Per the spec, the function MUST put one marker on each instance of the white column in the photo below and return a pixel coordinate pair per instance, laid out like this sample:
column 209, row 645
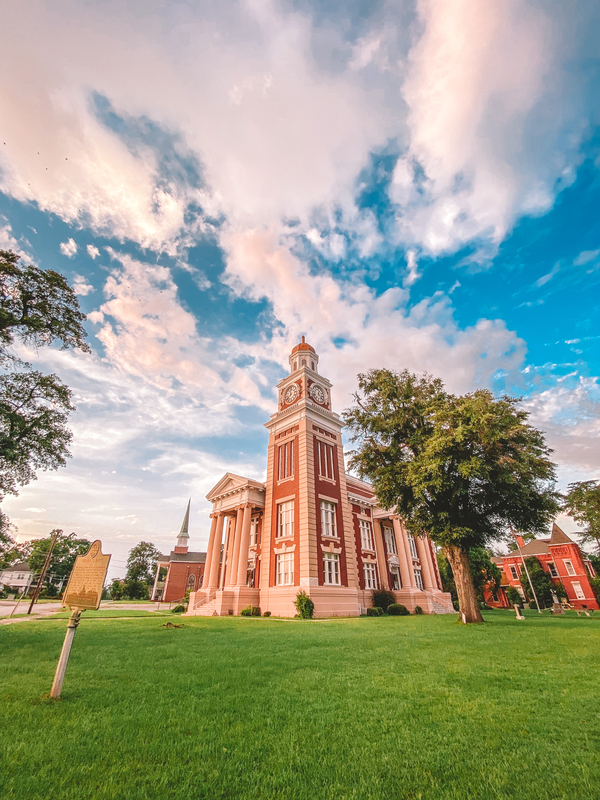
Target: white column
column 209, row 551
column 425, row 566
column 232, row 565
column 435, row 575
column 380, row 550
column 407, row 573
column 242, row 570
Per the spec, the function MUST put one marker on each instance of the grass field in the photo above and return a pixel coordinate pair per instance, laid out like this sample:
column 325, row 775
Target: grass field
column 368, row 709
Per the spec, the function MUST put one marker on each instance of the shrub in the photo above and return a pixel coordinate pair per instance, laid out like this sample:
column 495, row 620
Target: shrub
column 514, row 598
column 595, row 586
column 382, row 598
column 267, row 614
column 418, row 610
column 178, row 609
column 398, row 610
column 304, row 606
column 250, row 611
column 376, row 611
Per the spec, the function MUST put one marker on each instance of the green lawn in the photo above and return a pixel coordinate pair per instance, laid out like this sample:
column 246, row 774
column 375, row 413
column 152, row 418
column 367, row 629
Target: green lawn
column 378, row 708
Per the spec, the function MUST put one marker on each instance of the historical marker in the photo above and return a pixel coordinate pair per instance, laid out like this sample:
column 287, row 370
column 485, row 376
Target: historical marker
column 83, row 591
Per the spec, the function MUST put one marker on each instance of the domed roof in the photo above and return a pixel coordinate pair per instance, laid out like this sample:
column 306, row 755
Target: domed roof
column 303, row 346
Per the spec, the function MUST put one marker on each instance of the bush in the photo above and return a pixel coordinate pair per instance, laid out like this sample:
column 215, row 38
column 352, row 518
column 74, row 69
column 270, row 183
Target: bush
column 49, row 590
column 418, row 610
column 514, row 598
column 250, row 611
column 267, row 614
column 595, row 585
column 178, row 609
column 382, row 598
column 304, row 606
column 398, row 610
column 376, row 611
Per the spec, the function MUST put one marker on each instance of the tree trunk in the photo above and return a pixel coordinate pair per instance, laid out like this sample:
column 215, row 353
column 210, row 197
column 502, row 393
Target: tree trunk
column 467, row 598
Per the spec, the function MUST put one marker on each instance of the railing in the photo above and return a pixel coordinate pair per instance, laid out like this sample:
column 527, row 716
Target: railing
column 440, row 601
column 205, row 599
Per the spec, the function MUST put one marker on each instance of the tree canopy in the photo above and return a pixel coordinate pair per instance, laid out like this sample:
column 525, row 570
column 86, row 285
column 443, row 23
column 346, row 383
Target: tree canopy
column 461, row 469
column 65, row 551
column 37, row 307
column 34, row 409
column 582, row 502
column 141, row 562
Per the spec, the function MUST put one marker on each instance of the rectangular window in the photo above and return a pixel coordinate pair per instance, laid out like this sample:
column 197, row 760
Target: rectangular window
column 331, row 569
column 395, row 574
column 579, row 593
column 254, row 531
column 390, row 541
column 553, row 570
column 513, row 572
column 419, row 579
column 285, row 524
column 370, row 574
column 286, row 460
column 366, row 534
column 285, row 569
column 328, row 525
column 413, row 546
column 590, row 569
column 569, row 567
column 325, row 459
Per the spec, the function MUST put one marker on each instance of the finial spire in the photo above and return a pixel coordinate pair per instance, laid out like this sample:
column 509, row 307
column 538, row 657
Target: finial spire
column 303, row 340
column 184, row 533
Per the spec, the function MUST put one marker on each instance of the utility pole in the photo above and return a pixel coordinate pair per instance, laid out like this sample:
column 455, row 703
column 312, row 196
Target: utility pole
column 526, row 570
column 38, row 588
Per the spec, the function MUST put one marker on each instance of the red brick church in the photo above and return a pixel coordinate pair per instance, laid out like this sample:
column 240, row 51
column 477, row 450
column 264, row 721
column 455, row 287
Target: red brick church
column 185, row 569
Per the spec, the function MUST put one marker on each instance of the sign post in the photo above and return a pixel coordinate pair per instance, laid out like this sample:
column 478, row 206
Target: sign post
column 83, row 591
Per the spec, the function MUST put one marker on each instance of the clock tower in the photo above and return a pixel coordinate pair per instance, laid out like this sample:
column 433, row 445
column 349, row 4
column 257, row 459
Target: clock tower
column 308, row 536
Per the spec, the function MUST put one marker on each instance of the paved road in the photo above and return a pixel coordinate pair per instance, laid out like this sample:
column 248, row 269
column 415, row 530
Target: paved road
column 47, row 609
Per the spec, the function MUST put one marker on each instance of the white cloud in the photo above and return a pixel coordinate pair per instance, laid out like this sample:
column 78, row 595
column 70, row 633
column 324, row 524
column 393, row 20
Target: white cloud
column 81, row 286
column 93, row 251
column 68, row 248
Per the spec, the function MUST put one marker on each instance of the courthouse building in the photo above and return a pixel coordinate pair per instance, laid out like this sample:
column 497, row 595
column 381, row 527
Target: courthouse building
column 310, row 526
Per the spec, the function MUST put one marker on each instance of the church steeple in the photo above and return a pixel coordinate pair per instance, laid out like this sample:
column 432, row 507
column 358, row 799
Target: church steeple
column 182, row 539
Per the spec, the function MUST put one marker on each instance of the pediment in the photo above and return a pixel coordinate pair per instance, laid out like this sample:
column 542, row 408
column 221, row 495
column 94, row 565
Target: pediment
column 231, row 483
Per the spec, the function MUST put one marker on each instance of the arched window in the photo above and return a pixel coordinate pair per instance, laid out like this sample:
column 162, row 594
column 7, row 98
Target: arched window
column 191, row 582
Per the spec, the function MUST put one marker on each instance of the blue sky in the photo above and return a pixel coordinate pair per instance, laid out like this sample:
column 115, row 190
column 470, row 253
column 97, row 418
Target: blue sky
column 408, row 184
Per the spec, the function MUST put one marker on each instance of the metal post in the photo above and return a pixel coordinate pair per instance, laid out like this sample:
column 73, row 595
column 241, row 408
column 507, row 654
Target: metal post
column 527, row 573
column 38, row 588
column 59, row 678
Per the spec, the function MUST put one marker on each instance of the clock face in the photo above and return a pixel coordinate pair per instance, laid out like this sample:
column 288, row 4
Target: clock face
column 291, row 393
column 317, row 394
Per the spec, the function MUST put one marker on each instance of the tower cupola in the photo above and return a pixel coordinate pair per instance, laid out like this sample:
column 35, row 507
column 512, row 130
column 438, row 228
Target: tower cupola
column 303, row 355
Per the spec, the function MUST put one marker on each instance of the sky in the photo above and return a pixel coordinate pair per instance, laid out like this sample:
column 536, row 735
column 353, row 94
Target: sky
column 408, row 184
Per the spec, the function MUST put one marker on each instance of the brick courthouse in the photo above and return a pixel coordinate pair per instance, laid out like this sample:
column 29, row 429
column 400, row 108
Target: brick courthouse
column 310, row 526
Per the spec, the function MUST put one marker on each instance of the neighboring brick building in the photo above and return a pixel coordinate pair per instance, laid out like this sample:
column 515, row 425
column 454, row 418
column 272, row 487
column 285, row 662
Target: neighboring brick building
column 185, row 569
column 310, row 526
column 561, row 557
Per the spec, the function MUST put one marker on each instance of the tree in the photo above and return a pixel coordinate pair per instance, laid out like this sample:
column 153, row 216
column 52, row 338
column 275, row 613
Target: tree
column 10, row 551
column 34, row 409
column 37, row 308
column 141, row 563
column 460, row 469
column 582, row 502
column 483, row 573
column 543, row 585
column 65, row 551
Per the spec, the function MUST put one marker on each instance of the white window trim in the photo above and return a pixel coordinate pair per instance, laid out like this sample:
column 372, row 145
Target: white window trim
column 366, row 535
column 284, row 559
column 370, row 569
column 286, row 525
column 412, row 546
column 328, row 519
column 569, row 567
column 578, row 589
column 331, row 559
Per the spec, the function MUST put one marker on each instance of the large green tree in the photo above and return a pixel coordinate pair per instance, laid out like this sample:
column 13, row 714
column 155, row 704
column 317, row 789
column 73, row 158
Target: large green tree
column 483, row 572
column 460, row 469
column 64, row 553
column 37, row 308
column 141, row 562
column 582, row 502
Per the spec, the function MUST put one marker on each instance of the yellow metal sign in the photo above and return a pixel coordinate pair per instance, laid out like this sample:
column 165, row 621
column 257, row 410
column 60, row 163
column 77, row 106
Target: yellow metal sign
column 84, row 589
